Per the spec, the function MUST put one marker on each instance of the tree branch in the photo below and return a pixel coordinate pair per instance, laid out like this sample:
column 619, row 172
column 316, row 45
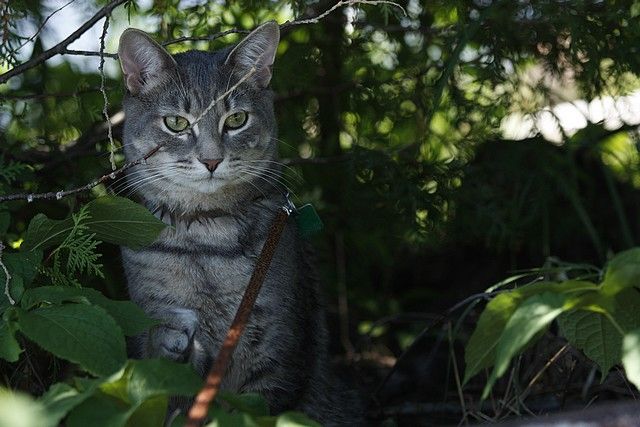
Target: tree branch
column 61, row 47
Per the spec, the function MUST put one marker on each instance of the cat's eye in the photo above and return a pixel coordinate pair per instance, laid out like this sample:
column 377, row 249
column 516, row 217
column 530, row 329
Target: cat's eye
column 176, row 123
column 236, row 120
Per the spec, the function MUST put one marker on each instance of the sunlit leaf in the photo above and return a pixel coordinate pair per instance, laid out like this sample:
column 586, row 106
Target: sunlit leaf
column 534, row 315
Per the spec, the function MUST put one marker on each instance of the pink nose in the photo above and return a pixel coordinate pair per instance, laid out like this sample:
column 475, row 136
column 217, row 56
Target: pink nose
column 211, row 164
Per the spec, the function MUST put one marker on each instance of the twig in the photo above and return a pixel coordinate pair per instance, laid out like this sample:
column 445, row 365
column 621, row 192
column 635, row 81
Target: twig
column 30, row 39
column 105, row 112
column 206, row 38
column 88, row 53
column 443, row 317
column 60, row 47
column 60, row 194
column 535, row 379
column 456, row 374
column 207, row 394
column 28, row 96
column 338, row 5
column 7, row 277
column 313, row 20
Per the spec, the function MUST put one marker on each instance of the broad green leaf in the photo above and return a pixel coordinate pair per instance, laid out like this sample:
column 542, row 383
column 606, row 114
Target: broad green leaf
column 251, row 403
column 9, row 348
column 534, row 315
column 222, row 418
column 123, row 222
column 129, row 316
column 623, row 271
column 295, row 419
column 20, row 410
column 150, row 413
column 154, row 377
column 83, row 334
column 596, row 336
column 113, row 219
column 631, row 356
column 62, row 398
column 480, row 351
column 137, row 395
column 100, row 410
column 44, row 233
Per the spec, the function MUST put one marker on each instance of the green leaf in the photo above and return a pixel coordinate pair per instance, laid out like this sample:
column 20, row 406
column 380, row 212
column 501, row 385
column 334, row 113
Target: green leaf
column 113, row 219
column 122, row 222
column 129, row 316
column 20, row 410
column 250, row 403
column 155, row 377
column 44, row 233
column 295, row 419
column 137, row 395
column 83, row 334
column 631, row 356
column 150, row 413
column 534, row 315
column 99, row 410
column 623, row 271
column 596, row 336
column 9, row 348
column 480, row 351
column 222, row 418
column 62, row 398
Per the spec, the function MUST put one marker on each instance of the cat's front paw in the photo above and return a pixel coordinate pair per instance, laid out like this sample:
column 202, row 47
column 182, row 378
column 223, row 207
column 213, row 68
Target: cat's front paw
column 173, row 340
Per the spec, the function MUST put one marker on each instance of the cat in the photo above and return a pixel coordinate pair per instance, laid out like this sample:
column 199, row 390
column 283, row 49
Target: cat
column 214, row 180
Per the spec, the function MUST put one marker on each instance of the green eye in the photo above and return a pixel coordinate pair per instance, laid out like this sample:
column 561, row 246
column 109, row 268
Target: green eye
column 176, row 123
column 236, row 120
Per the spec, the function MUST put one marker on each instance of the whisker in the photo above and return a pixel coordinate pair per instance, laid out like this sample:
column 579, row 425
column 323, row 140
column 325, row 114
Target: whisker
column 271, row 182
column 289, row 168
column 272, row 174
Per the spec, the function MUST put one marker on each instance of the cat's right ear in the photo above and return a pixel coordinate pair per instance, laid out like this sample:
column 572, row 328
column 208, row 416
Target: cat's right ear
column 145, row 64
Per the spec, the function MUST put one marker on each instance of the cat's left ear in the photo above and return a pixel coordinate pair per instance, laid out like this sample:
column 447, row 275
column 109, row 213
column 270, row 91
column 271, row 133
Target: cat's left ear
column 257, row 50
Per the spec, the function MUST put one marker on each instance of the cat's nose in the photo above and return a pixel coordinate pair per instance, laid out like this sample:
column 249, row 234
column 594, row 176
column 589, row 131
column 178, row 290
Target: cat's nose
column 211, row 164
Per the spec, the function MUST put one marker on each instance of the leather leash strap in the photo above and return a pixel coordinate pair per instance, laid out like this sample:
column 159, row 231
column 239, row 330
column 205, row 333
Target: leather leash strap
column 207, row 394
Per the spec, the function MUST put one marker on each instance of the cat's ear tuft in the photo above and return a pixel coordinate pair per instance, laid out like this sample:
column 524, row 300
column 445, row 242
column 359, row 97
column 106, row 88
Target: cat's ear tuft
column 145, row 64
column 257, row 50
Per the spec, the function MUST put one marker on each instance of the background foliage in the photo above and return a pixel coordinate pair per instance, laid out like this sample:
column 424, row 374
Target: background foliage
column 445, row 150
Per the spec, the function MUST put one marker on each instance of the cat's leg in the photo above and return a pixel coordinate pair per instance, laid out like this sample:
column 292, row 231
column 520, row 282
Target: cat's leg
column 173, row 338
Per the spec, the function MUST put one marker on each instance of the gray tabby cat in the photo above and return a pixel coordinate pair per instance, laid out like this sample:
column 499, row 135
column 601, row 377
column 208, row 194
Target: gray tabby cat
column 214, row 182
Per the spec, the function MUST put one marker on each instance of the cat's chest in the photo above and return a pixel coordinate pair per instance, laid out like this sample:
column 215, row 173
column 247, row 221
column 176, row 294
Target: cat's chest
column 215, row 255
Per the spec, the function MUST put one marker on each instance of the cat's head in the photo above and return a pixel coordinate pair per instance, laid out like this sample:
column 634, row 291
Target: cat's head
column 211, row 113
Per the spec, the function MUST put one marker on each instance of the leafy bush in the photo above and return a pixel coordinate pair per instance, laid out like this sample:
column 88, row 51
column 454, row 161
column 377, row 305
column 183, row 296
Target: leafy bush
column 599, row 319
column 82, row 326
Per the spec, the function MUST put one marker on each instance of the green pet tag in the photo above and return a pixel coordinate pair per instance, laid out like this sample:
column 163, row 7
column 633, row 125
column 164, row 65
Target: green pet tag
column 308, row 221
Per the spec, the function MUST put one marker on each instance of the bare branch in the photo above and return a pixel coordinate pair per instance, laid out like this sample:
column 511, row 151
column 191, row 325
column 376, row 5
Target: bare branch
column 88, row 53
column 60, row 47
column 7, row 277
column 30, row 39
column 105, row 112
column 338, row 5
column 288, row 24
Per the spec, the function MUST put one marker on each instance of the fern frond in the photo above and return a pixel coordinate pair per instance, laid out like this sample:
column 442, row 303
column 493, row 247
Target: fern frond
column 80, row 249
